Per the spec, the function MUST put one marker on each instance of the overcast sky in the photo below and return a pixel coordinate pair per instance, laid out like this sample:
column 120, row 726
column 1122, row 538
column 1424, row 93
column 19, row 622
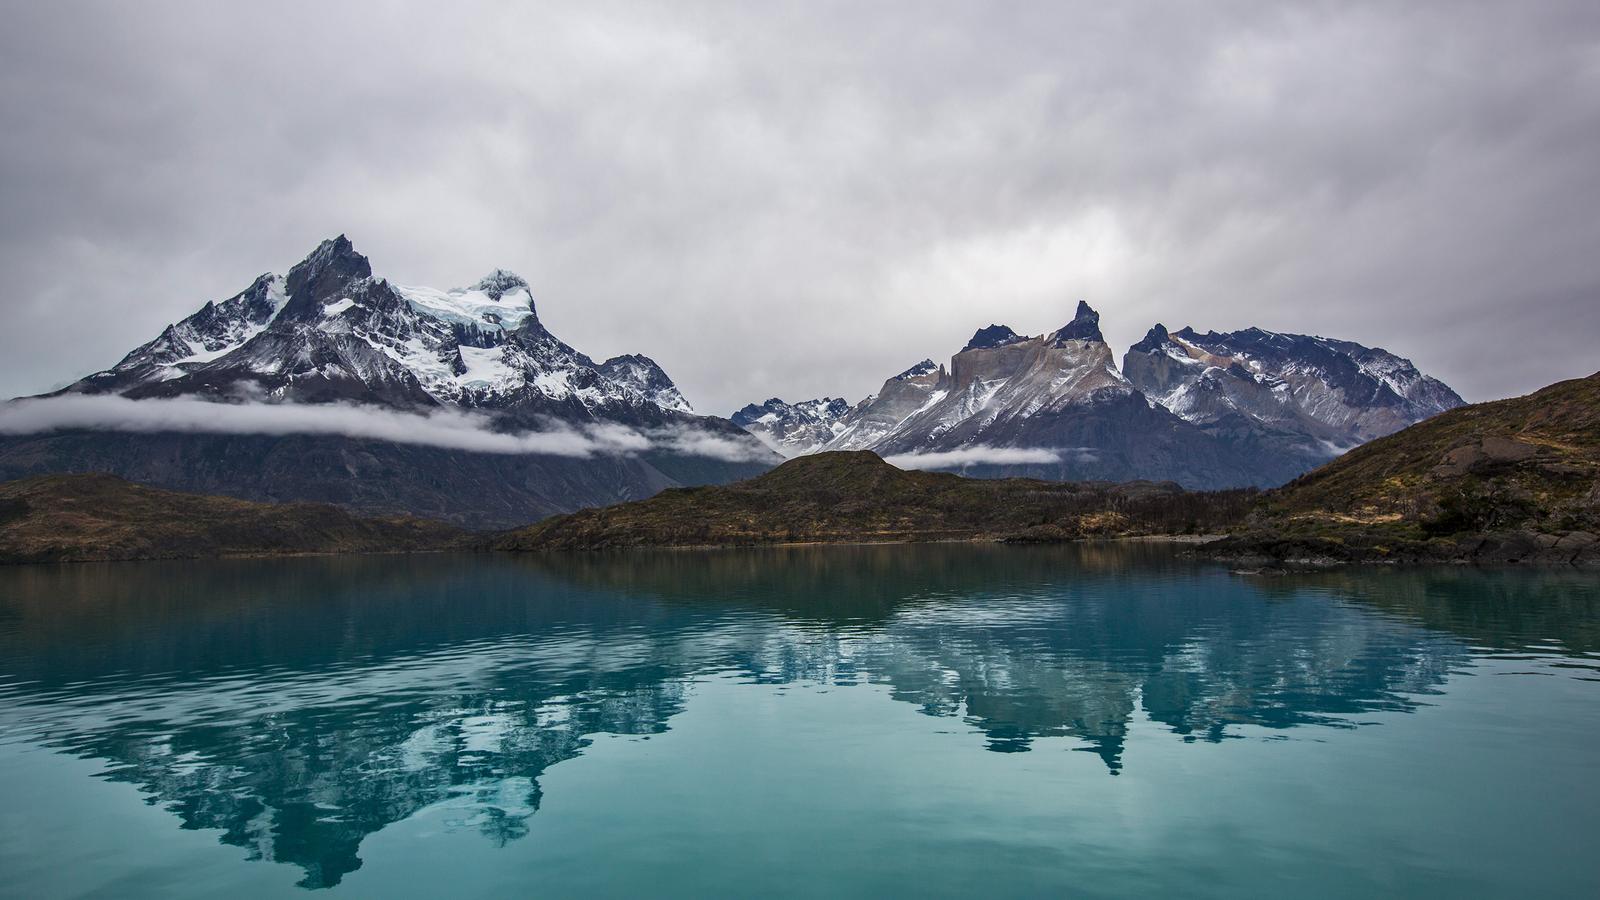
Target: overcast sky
column 799, row 200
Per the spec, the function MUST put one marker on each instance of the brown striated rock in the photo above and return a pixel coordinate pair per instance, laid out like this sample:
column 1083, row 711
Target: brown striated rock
column 1500, row 449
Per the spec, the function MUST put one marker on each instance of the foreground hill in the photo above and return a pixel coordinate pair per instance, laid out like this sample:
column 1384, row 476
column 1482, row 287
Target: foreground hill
column 855, row 496
column 1511, row 481
column 75, row 518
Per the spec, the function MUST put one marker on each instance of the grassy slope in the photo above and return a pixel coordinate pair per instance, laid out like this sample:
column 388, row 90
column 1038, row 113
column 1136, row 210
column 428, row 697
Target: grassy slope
column 61, row 518
column 856, row 496
column 1527, row 466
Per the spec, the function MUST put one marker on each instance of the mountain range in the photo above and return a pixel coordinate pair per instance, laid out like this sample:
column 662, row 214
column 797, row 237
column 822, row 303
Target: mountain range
column 491, row 421
column 1248, row 408
column 330, row 333
column 1511, row 481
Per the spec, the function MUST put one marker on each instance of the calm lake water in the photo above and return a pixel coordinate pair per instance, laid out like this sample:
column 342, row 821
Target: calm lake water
column 897, row 721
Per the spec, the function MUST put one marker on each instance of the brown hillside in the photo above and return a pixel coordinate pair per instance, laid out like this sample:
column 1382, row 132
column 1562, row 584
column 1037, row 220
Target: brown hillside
column 68, row 518
column 1508, row 481
column 857, row 497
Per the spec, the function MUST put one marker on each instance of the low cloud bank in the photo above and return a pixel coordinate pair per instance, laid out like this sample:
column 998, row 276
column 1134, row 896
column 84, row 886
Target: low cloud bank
column 985, row 455
column 447, row 428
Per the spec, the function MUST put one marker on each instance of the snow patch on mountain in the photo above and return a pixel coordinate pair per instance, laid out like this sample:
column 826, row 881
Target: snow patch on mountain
column 330, row 310
column 490, row 305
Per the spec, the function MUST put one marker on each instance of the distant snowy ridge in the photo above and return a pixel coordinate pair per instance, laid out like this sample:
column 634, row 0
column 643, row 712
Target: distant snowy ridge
column 1332, row 394
column 1212, row 410
column 794, row 429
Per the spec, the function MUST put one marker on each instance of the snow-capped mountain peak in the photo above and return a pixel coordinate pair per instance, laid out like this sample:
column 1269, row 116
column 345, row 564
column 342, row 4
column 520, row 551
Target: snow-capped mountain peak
column 318, row 279
column 994, row 384
column 793, row 429
column 499, row 282
column 331, row 330
column 642, row 375
column 1315, row 395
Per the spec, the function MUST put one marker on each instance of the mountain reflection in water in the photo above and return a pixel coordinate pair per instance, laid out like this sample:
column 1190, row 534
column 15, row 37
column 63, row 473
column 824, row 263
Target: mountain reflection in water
column 300, row 705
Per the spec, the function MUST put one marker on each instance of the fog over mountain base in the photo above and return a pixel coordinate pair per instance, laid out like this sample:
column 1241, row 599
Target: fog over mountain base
column 445, row 428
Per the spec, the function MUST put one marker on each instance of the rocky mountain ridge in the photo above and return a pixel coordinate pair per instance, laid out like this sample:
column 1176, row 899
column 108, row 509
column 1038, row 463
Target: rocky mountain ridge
column 1207, row 410
column 798, row 427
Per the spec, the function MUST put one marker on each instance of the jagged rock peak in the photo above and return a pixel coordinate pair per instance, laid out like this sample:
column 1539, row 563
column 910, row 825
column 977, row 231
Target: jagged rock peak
column 921, row 368
column 1154, row 338
column 498, row 283
column 333, row 255
column 325, row 272
column 636, row 358
column 1085, row 326
column 820, row 409
column 993, row 336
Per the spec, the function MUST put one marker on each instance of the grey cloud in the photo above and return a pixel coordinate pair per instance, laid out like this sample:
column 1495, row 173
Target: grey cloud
column 444, row 428
column 801, row 199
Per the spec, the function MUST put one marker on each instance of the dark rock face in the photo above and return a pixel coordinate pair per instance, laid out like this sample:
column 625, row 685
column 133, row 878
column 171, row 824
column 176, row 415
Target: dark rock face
column 1154, row 339
column 331, row 332
column 321, row 277
column 992, row 336
column 926, row 367
column 1085, row 326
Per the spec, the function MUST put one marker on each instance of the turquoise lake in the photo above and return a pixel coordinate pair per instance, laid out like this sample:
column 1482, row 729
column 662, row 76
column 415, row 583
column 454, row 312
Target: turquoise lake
column 921, row 721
